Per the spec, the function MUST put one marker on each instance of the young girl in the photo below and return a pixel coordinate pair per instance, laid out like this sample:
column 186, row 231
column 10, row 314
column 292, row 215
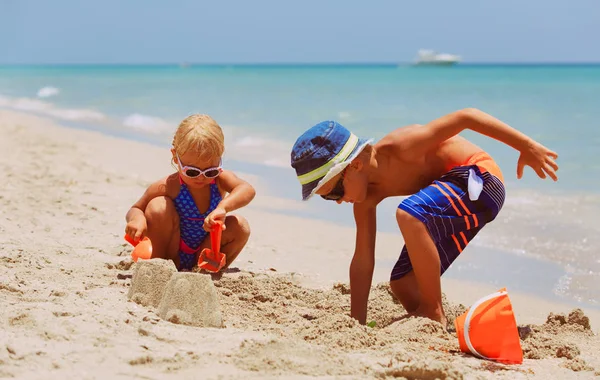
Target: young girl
column 177, row 211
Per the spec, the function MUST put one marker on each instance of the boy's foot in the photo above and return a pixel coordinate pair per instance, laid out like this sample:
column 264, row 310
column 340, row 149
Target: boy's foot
column 437, row 316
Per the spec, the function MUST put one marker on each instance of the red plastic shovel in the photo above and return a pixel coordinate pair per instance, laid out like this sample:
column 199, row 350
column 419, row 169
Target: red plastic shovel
column 209, row 259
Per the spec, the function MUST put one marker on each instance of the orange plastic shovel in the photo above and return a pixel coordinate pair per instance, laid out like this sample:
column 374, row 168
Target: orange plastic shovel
column 142, row 249
column 212, row 260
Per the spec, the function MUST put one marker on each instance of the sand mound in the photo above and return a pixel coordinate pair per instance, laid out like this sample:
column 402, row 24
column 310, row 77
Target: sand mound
column 306, row 323
column 282, row 357
column 191, row 299
column 401, row 367
column 276, row 304
column 125, row 264
column 559, row 337
column 576, row 321
column 577, row 365
column 149, row 280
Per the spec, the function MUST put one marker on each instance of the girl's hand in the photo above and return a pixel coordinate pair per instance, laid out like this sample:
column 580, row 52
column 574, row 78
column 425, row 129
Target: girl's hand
column 541, row 160
column 218, row 215
column 136, row 228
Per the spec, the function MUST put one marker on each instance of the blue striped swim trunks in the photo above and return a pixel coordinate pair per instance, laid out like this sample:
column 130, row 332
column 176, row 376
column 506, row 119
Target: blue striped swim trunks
column 449, row 213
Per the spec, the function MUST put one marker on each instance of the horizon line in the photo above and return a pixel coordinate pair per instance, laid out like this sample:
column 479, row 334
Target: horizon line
column 365, row 63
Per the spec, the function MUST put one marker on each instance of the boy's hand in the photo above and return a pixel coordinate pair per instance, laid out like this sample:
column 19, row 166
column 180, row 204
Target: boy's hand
column 541, row 160
column 218, row 214
column 136, row 228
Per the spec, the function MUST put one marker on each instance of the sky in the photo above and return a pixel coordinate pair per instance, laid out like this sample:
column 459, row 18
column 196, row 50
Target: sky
column 306, row 31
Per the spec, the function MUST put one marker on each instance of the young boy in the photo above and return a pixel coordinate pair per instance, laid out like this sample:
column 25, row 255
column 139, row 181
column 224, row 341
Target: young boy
column 456, row 189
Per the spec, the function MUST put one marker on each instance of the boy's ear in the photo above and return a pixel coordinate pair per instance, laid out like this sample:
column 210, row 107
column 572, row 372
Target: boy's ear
column 356, row 164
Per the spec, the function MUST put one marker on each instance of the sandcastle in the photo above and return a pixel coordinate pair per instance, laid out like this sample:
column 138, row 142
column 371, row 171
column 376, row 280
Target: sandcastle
column 149, row 280
column 183, row 298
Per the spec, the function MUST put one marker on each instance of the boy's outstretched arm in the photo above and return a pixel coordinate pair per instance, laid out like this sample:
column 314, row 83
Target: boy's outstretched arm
column 533, row 154
column 363, row 261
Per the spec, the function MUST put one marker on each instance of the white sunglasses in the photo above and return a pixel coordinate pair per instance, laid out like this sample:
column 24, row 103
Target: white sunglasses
column 193, row 172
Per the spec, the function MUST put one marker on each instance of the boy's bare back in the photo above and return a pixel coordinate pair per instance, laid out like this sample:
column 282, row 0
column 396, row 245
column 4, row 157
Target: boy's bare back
column 405, row 167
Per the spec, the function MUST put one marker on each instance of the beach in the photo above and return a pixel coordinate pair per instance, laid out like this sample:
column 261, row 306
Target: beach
column 65, row 273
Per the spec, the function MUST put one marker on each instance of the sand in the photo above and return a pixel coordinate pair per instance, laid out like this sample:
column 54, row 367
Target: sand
column 75, row 306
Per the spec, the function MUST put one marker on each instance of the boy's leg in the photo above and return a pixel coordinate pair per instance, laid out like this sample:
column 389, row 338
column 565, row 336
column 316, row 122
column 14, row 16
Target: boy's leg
column 426, row 266
column 437, row 224
column 406, row 290
column 163, row 228
column 403, row 281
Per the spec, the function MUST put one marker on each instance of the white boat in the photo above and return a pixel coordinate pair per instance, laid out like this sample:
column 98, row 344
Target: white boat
column 431, row 57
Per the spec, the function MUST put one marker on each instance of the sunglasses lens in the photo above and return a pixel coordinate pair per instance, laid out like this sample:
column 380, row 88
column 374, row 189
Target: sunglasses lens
column 192, row 173
column 212, row 173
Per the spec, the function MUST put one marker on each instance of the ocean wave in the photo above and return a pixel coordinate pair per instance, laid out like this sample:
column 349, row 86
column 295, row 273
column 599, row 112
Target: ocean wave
column 261, row 150
column 46, row 92
column 146, row 123
column 48, row 109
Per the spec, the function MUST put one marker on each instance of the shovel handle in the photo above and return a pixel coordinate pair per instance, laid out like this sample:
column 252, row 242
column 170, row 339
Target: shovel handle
column 215, row 237
column 131, row 241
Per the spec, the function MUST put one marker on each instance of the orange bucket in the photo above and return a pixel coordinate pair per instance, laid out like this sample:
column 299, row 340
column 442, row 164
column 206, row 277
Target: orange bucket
column 142, row 249
column 488, row 330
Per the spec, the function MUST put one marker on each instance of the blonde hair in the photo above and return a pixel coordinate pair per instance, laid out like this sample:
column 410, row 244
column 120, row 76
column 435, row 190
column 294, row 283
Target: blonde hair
column 199, row 133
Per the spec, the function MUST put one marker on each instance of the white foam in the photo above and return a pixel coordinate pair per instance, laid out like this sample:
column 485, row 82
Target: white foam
column 45, row 108
column 46, row 92
column 520, row 200
column 145, row 123
column 563, row 284
column 260, row 150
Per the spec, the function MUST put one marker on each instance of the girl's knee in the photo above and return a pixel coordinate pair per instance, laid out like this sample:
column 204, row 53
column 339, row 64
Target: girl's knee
column 238, row 226
column 161, row 209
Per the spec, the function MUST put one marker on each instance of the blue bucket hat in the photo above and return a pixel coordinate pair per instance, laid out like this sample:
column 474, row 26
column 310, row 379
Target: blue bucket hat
column 322, row 152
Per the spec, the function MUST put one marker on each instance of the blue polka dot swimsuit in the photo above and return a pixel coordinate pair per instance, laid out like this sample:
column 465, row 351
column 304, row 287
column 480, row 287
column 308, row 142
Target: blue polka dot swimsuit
column 190, row 223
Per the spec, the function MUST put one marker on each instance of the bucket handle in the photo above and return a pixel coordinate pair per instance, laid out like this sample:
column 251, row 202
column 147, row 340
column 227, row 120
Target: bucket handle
column 468, row 321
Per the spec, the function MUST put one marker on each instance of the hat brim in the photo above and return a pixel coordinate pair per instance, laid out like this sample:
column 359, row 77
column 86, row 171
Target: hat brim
column 337, row 169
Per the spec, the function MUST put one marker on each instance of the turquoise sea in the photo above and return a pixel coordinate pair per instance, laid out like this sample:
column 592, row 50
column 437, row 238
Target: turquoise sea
column 546, row 241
